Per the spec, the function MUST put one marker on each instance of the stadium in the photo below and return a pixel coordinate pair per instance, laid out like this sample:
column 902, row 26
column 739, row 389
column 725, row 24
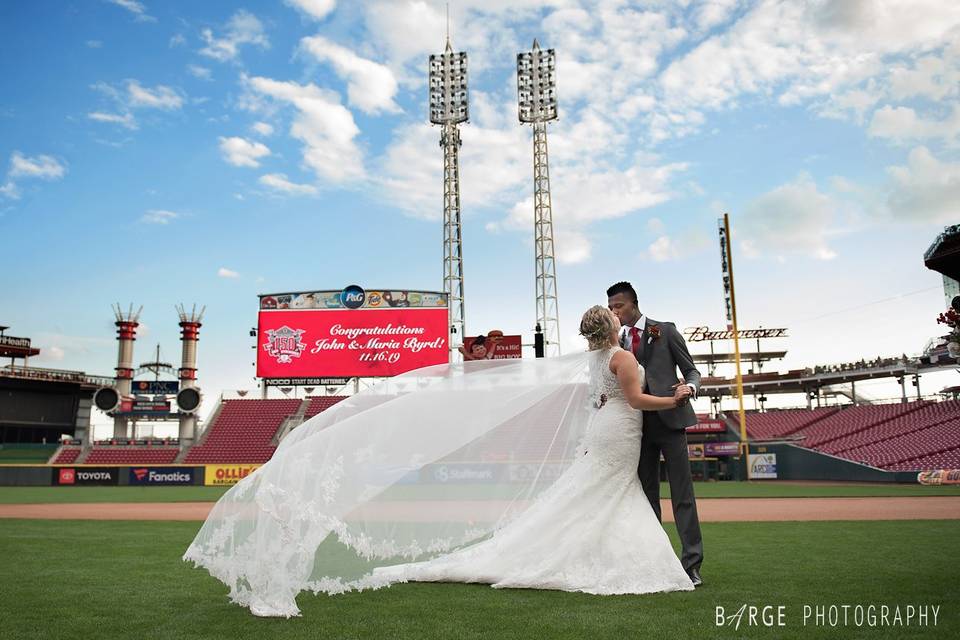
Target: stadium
column 841, row 468
column 829, row 509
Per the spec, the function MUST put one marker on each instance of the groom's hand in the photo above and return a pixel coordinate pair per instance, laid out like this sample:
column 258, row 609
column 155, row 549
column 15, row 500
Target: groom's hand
column 681, row 393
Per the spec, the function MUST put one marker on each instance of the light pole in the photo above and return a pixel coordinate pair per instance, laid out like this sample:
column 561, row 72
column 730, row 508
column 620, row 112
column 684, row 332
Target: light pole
column 448, row 108
column 537, row 98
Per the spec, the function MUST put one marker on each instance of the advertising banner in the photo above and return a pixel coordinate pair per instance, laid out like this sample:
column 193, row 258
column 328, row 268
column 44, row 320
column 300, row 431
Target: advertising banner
column 306, row 382
column 461, row 473
column 695, row 451
column 155, row 387
column 762, row 465
column 350, row 342
column 492, row 346
column 707, row 426
column 722, row 448
column 161, row 475
column 85, row 475
column 221, row 475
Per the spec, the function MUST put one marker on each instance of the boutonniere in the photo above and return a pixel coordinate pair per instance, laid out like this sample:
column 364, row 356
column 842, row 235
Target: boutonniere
column 653, row 332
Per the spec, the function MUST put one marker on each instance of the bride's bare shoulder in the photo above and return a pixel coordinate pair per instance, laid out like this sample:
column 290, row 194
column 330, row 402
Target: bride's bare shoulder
column 621, row 357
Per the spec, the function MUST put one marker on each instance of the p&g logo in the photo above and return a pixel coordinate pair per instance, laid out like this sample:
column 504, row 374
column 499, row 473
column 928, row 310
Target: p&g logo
column 352, row 297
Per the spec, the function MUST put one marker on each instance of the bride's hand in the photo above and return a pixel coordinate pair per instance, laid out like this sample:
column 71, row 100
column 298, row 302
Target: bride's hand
column 680, row 395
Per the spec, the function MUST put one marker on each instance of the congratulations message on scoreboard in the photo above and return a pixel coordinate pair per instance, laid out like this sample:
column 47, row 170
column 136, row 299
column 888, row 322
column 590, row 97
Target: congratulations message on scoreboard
column 348, row 342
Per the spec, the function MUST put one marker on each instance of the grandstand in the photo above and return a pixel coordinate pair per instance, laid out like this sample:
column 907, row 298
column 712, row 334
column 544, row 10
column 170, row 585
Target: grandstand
column 910, row 436
column 248, row 430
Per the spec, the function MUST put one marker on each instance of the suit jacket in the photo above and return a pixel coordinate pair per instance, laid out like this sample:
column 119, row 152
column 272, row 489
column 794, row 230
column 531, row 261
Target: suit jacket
column 661, row 357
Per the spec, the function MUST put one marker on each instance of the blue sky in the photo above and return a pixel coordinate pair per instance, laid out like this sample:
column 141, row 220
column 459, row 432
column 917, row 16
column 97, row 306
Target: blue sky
column 167, row 152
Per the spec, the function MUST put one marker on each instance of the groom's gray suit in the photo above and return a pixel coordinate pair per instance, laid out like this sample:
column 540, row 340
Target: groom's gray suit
column 662, row 351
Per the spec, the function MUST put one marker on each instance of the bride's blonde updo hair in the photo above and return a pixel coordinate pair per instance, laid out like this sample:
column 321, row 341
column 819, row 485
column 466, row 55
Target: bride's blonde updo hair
column 596, row 326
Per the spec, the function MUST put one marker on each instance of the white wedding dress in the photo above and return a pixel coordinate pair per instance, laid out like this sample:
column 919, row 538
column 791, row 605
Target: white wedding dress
column 500, row 472
column 593, row 530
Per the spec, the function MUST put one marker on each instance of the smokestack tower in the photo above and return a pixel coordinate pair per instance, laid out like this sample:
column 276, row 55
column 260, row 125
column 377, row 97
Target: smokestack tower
column 127, row 323
column 189, row 398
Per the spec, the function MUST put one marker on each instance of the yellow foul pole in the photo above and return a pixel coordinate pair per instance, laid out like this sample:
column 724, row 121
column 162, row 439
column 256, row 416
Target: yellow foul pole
column 736, row 346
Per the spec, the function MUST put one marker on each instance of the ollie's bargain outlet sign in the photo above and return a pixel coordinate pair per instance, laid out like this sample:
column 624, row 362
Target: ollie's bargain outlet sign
column 350, row 333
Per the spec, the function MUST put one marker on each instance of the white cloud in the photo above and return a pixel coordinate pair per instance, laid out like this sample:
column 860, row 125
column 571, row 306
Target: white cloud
column 136, row 8
column 792, row 218
column 42, row 166
column 241, row 152
column 572, row 247
column 9, row 190
column 926, row 189
column 663, row 249
column 178, row 40
column 94, row 44
column 223, row 272
column 371, row 87
column 159, row 216
column 903, row 123
column 262, row 128
column 160, row 97
column 325, row 127
column 125, row 120
column 243, row 28
column 844, row 54
column 932, row 76
column 279, row 182
column 711, row 13
column 199, row 72
column 316, row 9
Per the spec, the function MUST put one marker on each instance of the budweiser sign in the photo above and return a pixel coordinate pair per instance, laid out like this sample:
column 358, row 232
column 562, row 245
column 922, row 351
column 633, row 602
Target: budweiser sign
column 703, row 334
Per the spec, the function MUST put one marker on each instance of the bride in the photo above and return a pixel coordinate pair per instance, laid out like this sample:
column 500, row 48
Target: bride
column 519, row 474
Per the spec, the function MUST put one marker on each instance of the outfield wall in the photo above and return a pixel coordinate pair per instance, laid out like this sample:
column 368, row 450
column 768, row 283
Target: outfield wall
column 797, row 463
column 123, row 475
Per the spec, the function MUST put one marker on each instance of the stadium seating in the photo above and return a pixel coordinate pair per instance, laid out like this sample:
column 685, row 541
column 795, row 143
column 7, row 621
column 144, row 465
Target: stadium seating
column 320, row 403
column 780, row 423
column 243, row 432
column 853, row 420
column 909, row 436
column 923, row 417
column 67, row 455
column 132, row 455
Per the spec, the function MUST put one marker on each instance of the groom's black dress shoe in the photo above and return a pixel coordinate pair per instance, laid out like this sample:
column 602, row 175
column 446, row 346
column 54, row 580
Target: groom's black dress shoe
column 695, row 577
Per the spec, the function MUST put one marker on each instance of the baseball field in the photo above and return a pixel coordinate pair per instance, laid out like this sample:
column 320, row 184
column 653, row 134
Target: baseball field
column 807, row 560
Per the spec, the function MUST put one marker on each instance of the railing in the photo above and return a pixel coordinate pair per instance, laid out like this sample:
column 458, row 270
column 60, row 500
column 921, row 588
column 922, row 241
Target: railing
column 949, row 231
column 54, row 375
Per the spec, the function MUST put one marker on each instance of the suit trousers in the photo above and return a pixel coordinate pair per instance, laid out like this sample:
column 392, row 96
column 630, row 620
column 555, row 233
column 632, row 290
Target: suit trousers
column 673, row 443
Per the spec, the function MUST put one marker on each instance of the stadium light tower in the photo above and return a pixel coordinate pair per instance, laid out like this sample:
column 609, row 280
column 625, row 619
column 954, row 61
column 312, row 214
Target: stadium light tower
column 448, row 108
column 537, row 96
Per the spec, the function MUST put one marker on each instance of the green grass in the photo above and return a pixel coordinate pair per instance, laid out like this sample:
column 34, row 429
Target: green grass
column 36, row 495
column 88, row 579
column 26, row 455
column 757, row 489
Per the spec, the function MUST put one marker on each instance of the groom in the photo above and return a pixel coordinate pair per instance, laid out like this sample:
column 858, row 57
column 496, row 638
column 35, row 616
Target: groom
column 661, row 350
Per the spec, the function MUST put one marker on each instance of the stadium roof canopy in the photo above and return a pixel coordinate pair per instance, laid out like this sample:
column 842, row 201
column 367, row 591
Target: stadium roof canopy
column 943, row 256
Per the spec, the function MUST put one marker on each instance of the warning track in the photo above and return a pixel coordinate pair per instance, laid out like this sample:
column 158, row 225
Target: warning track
column 709, row 509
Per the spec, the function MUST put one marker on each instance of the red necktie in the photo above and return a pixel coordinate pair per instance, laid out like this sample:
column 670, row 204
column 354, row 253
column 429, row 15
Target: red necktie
column 635, row 341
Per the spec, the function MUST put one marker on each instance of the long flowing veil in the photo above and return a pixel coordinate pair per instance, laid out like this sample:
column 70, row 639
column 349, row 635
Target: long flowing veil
column 421, row 464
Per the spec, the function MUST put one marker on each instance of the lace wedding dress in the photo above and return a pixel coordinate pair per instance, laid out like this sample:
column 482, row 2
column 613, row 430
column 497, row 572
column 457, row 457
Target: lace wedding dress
column 592, row 531
column 503, row 472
